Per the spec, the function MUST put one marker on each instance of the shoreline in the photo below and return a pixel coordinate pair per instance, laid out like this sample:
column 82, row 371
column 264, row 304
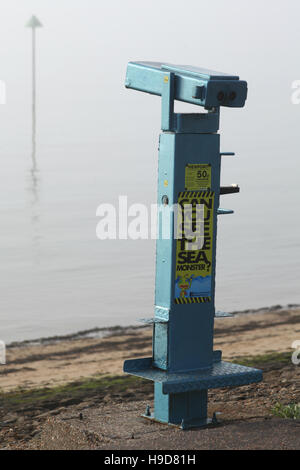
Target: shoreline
column 71, row 392
column 110, row 331
column 55, row 361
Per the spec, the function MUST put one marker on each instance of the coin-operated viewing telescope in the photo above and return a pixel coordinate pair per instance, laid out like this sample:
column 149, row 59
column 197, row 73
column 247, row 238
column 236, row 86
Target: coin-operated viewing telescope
column 184, row 365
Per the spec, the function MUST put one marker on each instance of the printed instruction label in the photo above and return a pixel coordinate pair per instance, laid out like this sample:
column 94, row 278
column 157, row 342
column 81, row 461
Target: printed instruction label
column 197, row 176
column 194, row 247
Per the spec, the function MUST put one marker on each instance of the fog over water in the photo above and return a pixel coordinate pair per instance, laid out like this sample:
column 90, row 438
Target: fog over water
column 96, row 141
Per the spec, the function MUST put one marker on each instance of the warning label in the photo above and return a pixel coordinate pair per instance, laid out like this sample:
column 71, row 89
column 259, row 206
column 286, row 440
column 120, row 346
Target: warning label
column 194, row 247
column 197, row 176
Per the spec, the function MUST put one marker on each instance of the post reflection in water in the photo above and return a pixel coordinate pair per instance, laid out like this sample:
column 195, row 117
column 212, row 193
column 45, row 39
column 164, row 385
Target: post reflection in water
column 34, row 192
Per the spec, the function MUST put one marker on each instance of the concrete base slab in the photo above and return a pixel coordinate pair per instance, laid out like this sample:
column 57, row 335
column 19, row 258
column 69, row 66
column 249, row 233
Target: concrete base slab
column 120, row 426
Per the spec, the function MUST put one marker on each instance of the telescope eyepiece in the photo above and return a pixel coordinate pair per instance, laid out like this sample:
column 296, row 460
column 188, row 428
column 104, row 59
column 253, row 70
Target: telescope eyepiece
column 221, row 96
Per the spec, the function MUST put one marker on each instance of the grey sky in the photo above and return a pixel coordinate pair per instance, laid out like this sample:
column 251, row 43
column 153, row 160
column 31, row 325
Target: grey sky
column 85, row 45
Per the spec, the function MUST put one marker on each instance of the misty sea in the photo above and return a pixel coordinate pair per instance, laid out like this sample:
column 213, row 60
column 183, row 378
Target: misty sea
column 58, row 278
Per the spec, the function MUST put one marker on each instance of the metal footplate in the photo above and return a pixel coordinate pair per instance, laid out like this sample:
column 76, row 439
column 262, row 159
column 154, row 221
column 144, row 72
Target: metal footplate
column 221, row 374
column 188, row 387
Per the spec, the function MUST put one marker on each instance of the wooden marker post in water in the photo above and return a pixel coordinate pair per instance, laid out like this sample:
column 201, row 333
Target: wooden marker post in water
column 33, row 23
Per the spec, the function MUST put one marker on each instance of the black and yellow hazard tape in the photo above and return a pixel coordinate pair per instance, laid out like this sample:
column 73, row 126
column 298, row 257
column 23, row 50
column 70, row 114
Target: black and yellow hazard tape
column 192, row 300
column 196, row 194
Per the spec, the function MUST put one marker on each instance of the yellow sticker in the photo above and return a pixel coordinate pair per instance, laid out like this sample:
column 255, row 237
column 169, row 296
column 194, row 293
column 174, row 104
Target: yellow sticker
column 166, row 183
column 194, row 247
column 166, row 78
column 197, row 176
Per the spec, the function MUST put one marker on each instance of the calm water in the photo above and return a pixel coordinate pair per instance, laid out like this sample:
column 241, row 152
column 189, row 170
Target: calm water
column 56, row 277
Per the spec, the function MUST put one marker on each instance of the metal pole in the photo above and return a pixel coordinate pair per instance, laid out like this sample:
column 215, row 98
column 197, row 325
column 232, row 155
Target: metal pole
column 33, row 96
column 33, row 23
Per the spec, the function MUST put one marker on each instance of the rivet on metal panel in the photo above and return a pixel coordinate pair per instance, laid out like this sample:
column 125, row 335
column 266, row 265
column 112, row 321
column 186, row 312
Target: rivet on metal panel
column 165, row 200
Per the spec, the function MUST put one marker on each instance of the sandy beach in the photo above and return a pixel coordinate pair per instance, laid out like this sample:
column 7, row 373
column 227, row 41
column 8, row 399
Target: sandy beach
column 49, row 363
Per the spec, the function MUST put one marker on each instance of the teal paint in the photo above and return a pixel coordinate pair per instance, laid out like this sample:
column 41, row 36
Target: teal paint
column 184, row 365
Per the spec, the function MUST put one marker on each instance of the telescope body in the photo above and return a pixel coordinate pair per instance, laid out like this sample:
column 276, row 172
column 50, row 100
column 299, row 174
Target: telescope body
column 184, row 364
column 192, row 85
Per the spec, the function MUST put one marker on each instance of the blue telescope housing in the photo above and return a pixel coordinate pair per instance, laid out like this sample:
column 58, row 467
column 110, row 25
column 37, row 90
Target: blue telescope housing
column 192, row 84
column 184, row 364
